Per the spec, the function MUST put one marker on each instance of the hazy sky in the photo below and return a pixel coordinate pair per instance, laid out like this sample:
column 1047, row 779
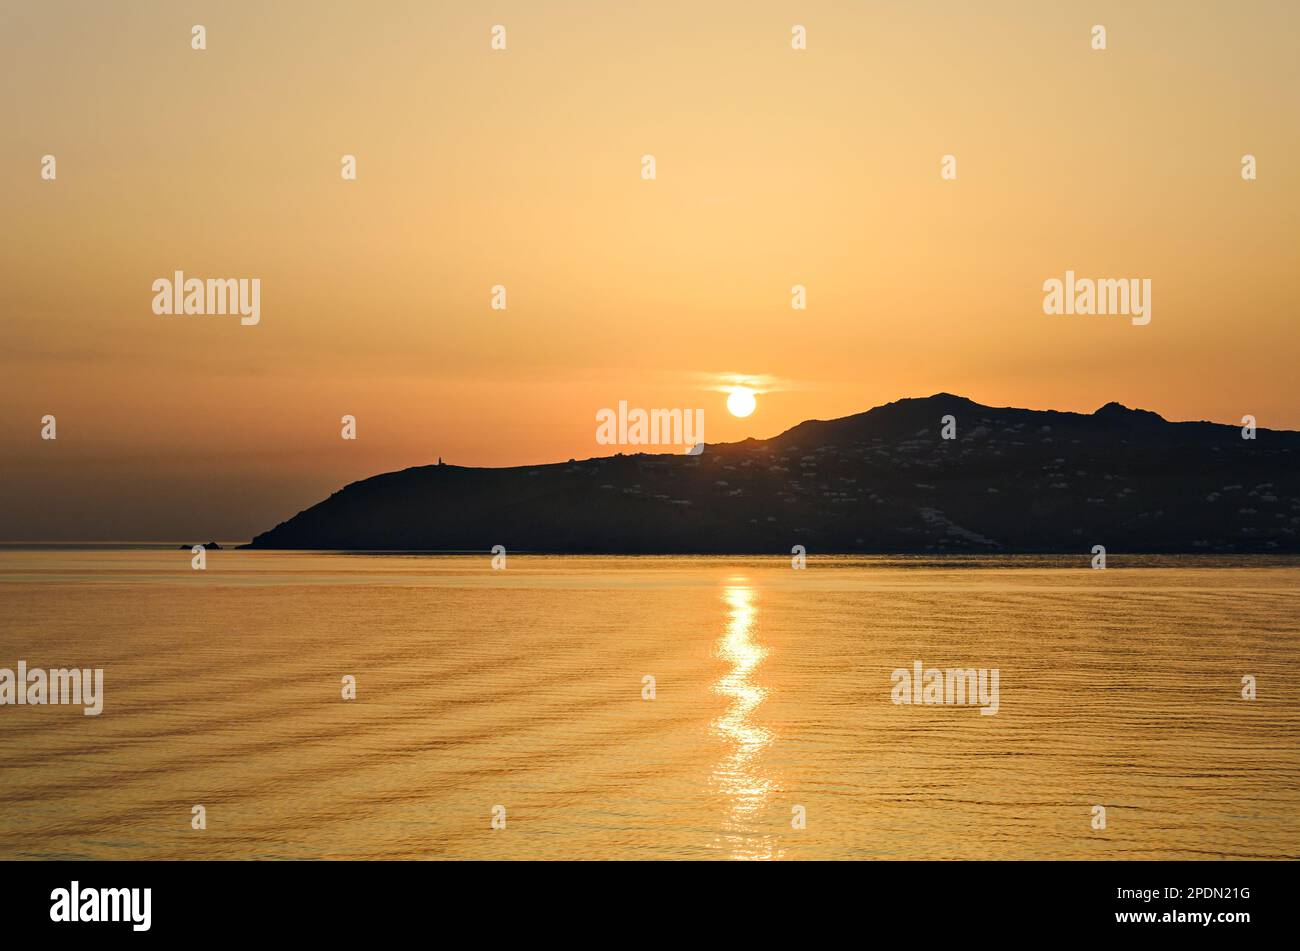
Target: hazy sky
column 522, row 167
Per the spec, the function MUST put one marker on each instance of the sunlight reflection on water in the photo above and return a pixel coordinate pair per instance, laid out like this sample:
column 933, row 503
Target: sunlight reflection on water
column 742, row 785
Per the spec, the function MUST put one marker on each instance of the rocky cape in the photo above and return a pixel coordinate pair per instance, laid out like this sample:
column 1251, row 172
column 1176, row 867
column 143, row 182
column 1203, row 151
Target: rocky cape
column 1012, row 480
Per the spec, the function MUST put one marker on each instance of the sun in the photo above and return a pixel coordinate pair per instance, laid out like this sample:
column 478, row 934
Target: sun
column 740, row 401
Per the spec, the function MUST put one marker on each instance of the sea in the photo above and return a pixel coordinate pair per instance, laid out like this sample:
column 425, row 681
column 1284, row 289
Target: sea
column 322, row 705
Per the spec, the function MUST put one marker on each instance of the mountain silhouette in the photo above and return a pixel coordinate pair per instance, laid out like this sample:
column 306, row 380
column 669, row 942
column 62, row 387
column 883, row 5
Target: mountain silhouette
column 1012, row 480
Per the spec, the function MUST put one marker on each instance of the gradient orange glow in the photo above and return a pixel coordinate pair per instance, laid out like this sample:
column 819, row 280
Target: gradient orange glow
column 522, row 168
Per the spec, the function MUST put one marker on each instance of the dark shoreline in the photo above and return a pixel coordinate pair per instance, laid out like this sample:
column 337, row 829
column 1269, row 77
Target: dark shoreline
column 887, row 481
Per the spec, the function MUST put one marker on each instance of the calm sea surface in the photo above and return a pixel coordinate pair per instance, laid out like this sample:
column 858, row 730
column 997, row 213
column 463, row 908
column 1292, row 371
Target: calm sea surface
column 523, row 688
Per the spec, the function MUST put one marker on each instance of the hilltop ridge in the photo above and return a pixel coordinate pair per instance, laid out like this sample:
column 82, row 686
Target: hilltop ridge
column 1012, row 480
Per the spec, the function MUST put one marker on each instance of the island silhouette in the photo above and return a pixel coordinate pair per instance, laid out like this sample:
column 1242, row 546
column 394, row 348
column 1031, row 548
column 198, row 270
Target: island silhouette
column 883, row 481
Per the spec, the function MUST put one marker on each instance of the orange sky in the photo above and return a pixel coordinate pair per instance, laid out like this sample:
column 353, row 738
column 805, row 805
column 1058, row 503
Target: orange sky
column 522, row 168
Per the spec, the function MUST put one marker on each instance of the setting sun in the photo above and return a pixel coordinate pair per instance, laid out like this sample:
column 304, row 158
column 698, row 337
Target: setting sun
column 740, row 401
